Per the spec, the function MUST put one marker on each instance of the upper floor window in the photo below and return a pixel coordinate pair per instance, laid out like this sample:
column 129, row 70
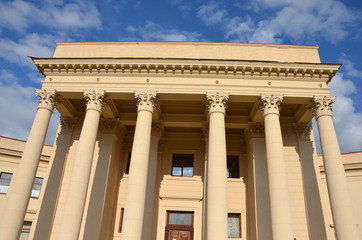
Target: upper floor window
column 182, row 165
column 233, row 167
column 5, row 179
column 35, row 192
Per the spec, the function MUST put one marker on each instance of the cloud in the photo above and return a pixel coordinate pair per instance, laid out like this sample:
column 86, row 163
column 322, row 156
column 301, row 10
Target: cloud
column 37, row 45
column 349, row 67
column 155, row 32
column 19, row 15
column 270, row 21
column 18, row 105
column 211, row 14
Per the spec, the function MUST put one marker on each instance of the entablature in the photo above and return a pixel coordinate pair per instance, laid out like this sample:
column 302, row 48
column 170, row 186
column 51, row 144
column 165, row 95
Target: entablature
column 118, row 66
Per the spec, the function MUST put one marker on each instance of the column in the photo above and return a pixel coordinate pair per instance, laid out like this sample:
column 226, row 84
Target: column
column 49, row 200
column 313, row 202
column 205, row 143
column 259, row 174
column 277, row 175
column 217, row 200
column 156, row 134
column 102, row 197
column 22, row 184
column 137, row 179
column 77, row 193
column 342, row 210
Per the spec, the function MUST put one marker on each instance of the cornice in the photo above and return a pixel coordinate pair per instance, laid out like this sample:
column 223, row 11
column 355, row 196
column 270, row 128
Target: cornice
column 56, row 66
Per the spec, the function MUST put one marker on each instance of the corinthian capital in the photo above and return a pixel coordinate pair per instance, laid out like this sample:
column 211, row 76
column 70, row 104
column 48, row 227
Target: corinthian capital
column 270, row 103
column 157, row 129
column 146, row 100
column 47, row 99
column 217, row 102
column 303, row 131
column 322, row 105
column 95, row 99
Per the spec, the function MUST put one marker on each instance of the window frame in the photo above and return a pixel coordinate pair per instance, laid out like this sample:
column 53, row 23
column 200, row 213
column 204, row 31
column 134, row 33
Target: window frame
column 6, row 179
column 240, row 232
column 38, row 184
column 182, row 168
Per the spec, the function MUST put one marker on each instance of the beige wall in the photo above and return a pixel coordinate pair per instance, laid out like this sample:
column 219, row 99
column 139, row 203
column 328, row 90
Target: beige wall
column 10, row 155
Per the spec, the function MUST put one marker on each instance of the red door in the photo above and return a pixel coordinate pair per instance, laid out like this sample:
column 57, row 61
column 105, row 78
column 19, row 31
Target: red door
column 179, row 235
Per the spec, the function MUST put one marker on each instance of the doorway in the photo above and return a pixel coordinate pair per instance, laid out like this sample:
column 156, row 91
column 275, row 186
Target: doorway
column 180, row 226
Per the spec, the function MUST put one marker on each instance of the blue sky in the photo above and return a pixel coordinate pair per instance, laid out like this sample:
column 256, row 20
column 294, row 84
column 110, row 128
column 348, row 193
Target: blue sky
column 31, row 28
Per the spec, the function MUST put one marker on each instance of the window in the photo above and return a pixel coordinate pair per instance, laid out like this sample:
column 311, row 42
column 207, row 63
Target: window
column 25, row 230
column 5, row 179
column 35, row 192
column 128, row 162
column 234, row 225
column 121, row 220
column 182, row 165
column 180, row 218
column 233, row 167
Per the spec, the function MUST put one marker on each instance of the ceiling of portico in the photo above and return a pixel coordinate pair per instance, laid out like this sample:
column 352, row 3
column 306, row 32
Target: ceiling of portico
column 186, row 113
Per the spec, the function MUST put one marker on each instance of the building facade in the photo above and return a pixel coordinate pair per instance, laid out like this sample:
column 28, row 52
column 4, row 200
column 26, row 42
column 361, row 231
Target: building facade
column 184, row 140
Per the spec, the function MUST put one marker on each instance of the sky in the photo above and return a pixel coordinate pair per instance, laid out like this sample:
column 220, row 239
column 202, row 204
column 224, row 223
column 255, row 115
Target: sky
column 32, row 28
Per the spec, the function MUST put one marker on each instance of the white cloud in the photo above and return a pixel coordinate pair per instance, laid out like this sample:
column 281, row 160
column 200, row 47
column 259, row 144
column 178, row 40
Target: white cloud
column 19, row 15
column 155, row 32
column 18, row 105
column 211, row 14
column 349, row 67
column 277, row 19
column 35, row 45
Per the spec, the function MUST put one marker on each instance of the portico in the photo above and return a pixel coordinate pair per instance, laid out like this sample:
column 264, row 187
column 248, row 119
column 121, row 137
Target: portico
column 136, row 157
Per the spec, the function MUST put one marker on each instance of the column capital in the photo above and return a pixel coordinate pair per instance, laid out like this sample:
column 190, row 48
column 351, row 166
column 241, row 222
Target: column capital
column 255, row 130
column 96, row 99
column 113, row 126
column 217, row 102
column 157, row 129
column 270, row 103
column 47, row 99
column 303, row 131
column 146, row 100
column 322, row 105
column 67, row 124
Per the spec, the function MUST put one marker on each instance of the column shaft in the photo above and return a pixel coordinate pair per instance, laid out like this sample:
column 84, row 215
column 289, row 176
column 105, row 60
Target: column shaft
column 217, row 201
column 77, row 193
column 137, row 179
column 277, row 175
column 22, row 184
column 342, row 210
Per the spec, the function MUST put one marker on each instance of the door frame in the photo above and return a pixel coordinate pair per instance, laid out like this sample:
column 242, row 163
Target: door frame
column 179, row 227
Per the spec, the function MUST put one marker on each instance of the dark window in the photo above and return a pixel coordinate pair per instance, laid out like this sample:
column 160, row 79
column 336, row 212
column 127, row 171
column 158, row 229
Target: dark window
column 35, row 192
column 121, row 220
column 5, row 179
column 128, row 162
column 233, row 167
column 234, row 225
column 182, row 165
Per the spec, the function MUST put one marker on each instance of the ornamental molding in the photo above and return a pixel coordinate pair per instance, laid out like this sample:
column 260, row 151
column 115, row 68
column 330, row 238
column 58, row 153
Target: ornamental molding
column 270, row 103
column 255, row 130
column 113, row 126
column 52, row 66
column 157, row 129
column 146, row 100
column 322, row 105
column 67, row 124
column 303, row 131
column 217, row 102
column 96, row 99
column 47, row 99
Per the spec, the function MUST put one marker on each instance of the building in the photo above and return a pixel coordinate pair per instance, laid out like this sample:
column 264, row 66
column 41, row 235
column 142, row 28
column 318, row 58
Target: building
column 185, row 140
